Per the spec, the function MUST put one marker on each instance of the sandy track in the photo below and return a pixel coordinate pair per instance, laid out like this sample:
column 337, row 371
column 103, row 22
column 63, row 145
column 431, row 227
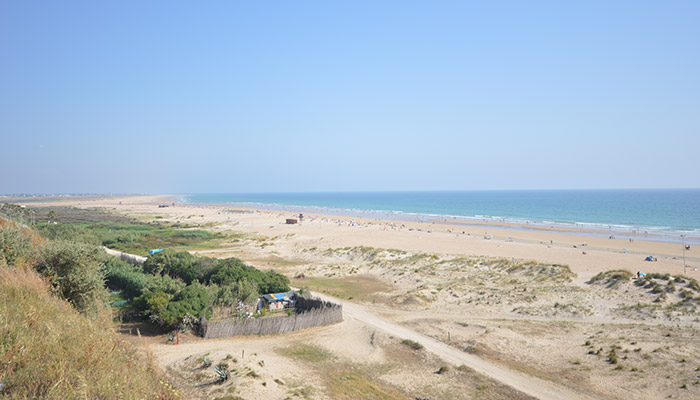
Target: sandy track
column 527, row 384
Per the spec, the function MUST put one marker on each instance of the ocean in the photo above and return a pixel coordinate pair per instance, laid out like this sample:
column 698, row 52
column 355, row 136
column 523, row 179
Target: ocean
column 662, row 213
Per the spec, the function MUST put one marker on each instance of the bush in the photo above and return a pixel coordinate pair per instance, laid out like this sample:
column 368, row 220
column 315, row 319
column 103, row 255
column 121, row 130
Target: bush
column 16, row 243
column 75, row 271
column 126, row 277
column 165, row 283
column 229, row 294
column 233, row 270
column 412, row 344
column 192, row 300
column 181, row 265
column 71, row 232
column 225, row 272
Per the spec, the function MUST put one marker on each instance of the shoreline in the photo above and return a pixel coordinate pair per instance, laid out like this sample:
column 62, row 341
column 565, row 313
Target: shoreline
column 505, row 223
column 585, row 253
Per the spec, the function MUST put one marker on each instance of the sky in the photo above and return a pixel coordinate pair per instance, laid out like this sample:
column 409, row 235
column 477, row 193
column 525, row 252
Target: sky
column 305, row 96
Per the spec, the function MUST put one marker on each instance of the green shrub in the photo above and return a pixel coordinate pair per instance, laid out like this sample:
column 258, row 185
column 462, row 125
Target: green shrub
column 76, row 233
column 75, row 271
column 229, row 294
column 126, row 277
column 181, row 265
column 165, row 283
column 16, row 243
column 233, row 270
column 193, row 300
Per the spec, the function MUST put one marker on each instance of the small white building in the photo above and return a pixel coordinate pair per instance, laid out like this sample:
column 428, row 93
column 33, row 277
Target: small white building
column 276, row 301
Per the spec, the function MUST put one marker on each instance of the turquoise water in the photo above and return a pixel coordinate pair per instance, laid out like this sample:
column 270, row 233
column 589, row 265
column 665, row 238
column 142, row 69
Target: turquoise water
column 669, row 213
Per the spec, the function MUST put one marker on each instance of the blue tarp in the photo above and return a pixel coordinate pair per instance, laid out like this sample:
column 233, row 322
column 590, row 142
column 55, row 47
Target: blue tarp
column 154, row 251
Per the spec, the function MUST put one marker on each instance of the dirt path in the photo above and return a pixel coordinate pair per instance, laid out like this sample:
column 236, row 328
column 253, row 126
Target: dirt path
column 527, row 384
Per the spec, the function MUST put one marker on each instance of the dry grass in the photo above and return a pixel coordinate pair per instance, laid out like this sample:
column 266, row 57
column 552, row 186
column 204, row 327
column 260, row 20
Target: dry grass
column 355, row 384
column 359, row 287
column 307, row 353
column 50, row 351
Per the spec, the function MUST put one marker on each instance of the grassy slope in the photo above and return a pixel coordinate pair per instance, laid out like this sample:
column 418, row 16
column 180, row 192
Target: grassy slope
column 48, row 350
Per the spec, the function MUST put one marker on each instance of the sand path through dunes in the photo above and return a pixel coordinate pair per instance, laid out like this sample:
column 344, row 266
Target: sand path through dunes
column 527, row 384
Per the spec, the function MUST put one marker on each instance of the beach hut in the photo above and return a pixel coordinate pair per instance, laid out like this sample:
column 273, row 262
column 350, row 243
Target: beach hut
column 292, row 221
column 276, row 301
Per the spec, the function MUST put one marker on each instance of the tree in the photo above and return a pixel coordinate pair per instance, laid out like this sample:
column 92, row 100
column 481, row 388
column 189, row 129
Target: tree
column 51, row 215
column 192, row 300
column 230, row 294
column 158, row 302
column 176, row 264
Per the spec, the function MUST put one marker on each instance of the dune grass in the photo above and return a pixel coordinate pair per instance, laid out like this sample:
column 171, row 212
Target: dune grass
column 360, row 287
column 613, row 278
column 306, row 352
column 342, row 380
column 354, row 384
column 50, row 351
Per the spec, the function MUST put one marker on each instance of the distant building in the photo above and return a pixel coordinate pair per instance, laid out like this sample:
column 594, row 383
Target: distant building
column 276, row 301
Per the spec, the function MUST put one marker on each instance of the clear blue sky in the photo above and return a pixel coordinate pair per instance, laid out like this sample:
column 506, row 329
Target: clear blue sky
column 176, row 97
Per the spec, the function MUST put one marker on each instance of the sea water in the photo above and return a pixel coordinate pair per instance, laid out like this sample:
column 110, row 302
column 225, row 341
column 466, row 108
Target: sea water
column 661, row 213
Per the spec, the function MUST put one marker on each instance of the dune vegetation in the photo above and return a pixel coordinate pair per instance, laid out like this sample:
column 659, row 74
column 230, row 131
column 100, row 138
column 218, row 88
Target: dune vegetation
column 56, row 336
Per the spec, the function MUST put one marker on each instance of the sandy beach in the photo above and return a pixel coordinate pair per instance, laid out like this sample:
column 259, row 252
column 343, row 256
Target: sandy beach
column 587, row 255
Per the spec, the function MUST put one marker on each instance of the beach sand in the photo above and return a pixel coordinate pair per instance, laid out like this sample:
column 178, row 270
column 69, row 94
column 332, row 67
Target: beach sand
column 551, row 246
